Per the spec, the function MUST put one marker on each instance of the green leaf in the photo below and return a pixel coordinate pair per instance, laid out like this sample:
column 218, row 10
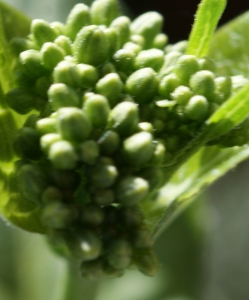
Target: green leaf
column 207, row 17
column 206, row 166
column 230, row 47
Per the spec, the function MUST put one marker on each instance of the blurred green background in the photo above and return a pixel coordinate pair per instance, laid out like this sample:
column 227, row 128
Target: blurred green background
column 204, row 253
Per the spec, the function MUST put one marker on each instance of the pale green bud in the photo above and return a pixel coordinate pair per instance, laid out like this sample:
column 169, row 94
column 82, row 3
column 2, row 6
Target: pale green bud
column 51, row 55
column 122, row 25
column 67, row 72
column 42, row 32
column 153, row 58
column 197, row 108
column 202, row 83
column 103, row 12
column 88, row 152
column 64, row 43
column 186, row 66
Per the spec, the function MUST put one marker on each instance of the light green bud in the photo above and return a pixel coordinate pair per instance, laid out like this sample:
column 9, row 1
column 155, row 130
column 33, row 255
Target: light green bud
column 32, row 182
column 103, row 197
column 85, row 245
column 131, row 190
column 51, row 55
column 122, row 25
column 88, row 152
column 109, row 142
column 186, row 66
column 124, row 118
column 149, row 25
column 88, row 75
column 123, row 60
column 92, row 215
column 170, row 60
column 138, row 149
column 132, row 47
column 153, row 58
column 147, row 263
column 146, row 126
column 48, row 139
column 202, row 83
column 110, row 86
column 137, row 39
column 206, row 63
column 78, row 17
column 42, row 32
column 111, row 35
column 73, row 125
column 58, row 215
column 160, row 41
column 197, row 108
column 91, row 46
column 60, row 95
column 96, row 108
column 103, row 176
column 67, row 72
column 103, row 12
column 31, row 64
column 167, row 85
column 64, row 43
column 158, row 155
column 27, row 144
column 21, row 100
column 119, row 253
column 58, row 27
column 223, row 89
column 182, row 94
column 63, row 155
column 46, row 125
column 140, row 81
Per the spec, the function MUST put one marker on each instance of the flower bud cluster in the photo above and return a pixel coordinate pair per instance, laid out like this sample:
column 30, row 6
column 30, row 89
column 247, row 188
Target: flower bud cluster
column 109, row 105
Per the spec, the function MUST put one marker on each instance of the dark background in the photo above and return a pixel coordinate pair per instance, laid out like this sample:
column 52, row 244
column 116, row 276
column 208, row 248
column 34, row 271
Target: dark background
column 178, row 14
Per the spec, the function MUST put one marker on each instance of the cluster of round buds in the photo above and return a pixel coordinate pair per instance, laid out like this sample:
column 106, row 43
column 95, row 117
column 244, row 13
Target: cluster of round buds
column 108, row 105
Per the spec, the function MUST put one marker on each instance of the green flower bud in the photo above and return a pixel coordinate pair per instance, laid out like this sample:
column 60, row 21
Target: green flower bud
column 119, row 254
column 131, row 190
column 147, row 263
column 142, row 80
column 51, row 55
column 78, row 17
column 85, row 245
column 104, row 11
column 67, row 72
column 46, row 125
column 32, row 182
column 109, row 142
column 167, row 85
column 91, row 46
column 146, row 126
column 107, row 68
column 96, row 108
column 51, row 194
column 88, row 152
column 205, row 63
column 137, row 39
column 42, row 32
column 92, row 215
column 123, row 60
column 88, row 75
column 186, row 66
column 73, row 124
column 42, row 85
column 132, row 47
column 202, row 83
column 223, row 89
column 197, row 108
column 124, row 118
column 131, row 216
column 153, row 58
column 92, row 270
column 19, row 45
column 61, row 95
column 103, row 197
column 64, row 43
column 122, row 25
column 170, row 60
column 58, row 27
column 110, row 86
column 182, row 94
column 21, row 100
column 103, row 176
column 31, row 64
column 158, row 155
column 63, row 155
column 111, row 35
column 27, row 144
column 137, row 149
column 160, row 41
column 58, row 215
column 48, row 139
column 148, row 25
